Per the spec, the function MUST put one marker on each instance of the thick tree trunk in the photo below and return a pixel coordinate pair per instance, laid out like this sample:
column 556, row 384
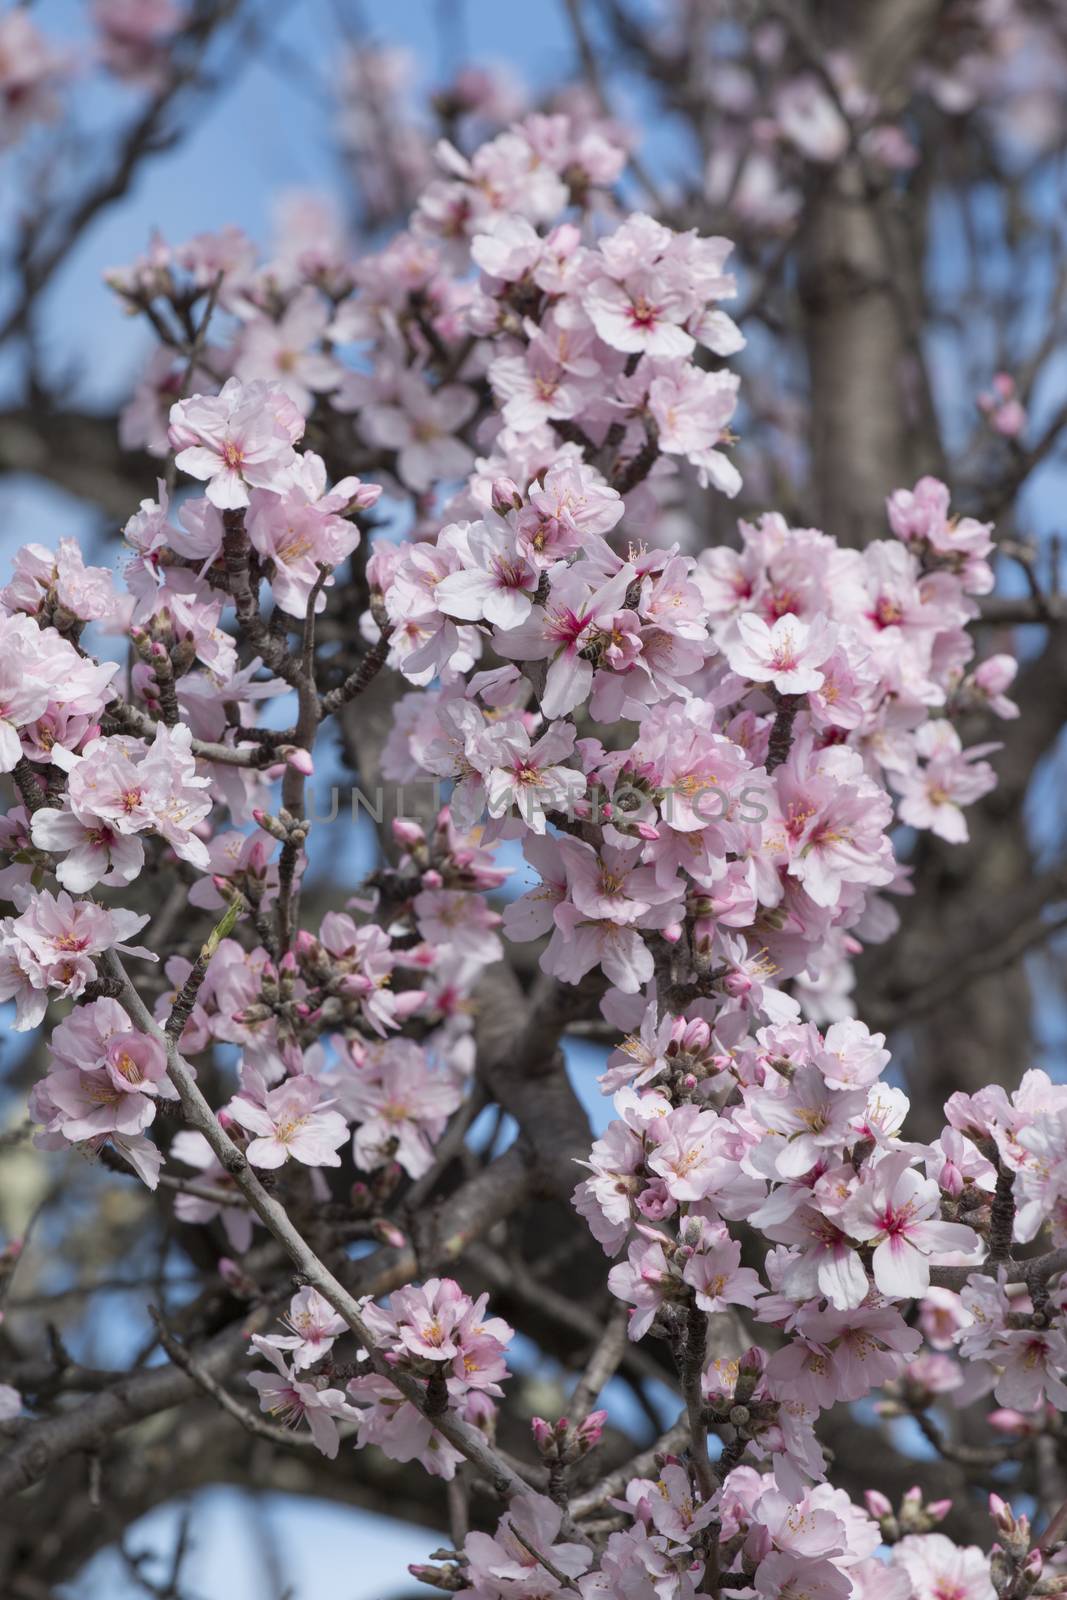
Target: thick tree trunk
column 866, row 382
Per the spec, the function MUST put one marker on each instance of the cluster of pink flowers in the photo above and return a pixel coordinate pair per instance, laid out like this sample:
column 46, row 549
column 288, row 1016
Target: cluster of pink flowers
column 441, row 1337
column 704, row 760
column 1001, row 404
column 435, row 1335
column 103, row 1086
column 32, row 70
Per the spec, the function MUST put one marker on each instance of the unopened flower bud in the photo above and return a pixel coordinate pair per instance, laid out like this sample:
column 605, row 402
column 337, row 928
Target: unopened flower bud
column 1033, row 1566
column 697, row 1036
column 750, row 1369
column 1001, row 1513
column 446, row 1578
column 408, row 833
column 950, row 1179
column 589, row 1432
column 388, row 1233
column 544, row 1435
column 300, row 760
column 270, row 824
column 505, row 496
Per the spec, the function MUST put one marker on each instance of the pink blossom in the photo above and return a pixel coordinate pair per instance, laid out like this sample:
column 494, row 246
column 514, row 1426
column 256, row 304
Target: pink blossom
column 286, row 352
column 30, row 71
column 717, row 1277
column 574, row 619
column 193, row 1150
column 293, row 1120
column 787, row 655
column 315, row 1326
column 785, row 1576
column 899, row 1212
column 401, row 1105
column 421, row 424
column 501, row 1566
column 495, row 582
column 932, row 795
column 992, row 677
column 460, row 920
column 936, row 1566
column 238, row 440
column 527, row 775
column 291, row 1401
column 303, row 526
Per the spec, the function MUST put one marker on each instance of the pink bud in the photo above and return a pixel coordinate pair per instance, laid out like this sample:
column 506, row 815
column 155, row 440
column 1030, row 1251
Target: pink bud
column 938, row 1510
column 672, row 932
column 422, row 1572
column 1007, row 1421
column 590, row 1431
column 737, row 984
column 544, row 1438
column 408, row 833
column 697, row 1035
column 996, row 673
column 646, row 830
column 407, row 1003
column 505, row 496
column 432, row 879
column 389, row 1234
column 753, row 1361
column 950, row 1179
column 299, row 760
column 877, row 1504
